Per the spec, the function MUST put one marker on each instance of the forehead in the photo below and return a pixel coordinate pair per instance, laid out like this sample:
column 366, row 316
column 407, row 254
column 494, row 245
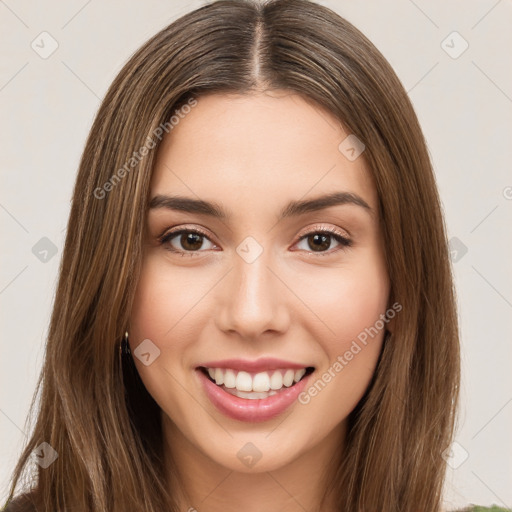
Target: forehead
column 257, row 150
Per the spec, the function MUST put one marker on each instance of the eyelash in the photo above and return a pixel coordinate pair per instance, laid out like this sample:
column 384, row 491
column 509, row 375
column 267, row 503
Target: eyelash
column 166, row 237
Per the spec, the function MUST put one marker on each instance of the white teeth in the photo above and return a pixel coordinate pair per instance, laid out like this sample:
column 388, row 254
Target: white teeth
column 299, row 374
column 262, row 383
column 243, row 381
column 218, row 376
column 288, row 378
column 276, row 381
column 252, row 395
column 229, row 378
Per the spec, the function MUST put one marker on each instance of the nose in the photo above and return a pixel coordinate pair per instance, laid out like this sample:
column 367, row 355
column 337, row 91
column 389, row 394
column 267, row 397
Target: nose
column 253, row 300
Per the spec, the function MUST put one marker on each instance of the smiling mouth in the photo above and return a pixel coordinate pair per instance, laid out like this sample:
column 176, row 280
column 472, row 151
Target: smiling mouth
column 252, row 385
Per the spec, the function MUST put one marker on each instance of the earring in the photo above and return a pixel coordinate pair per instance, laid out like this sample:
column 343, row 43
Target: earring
column 124, row 346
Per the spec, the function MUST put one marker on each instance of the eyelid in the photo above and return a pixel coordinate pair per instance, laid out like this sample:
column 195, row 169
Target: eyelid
column 324, row 227
column 305, row 231
column 188, row 228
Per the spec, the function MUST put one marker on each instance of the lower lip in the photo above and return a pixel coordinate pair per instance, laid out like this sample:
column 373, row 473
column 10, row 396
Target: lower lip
column 253, row 410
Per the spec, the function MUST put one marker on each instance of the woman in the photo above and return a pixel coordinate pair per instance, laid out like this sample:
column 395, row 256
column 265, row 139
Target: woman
column 255, row 306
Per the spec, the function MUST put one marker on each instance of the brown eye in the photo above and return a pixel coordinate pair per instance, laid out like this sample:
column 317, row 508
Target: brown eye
column 320, row 241
column 191, row 241
column 187, row 240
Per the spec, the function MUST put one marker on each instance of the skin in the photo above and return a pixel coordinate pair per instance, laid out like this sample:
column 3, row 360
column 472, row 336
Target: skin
column 252, row 154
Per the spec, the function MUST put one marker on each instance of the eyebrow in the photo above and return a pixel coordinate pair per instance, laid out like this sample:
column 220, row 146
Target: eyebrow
column 292, row 209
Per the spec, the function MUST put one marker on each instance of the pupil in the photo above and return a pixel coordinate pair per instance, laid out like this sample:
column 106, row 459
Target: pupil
column 191, row 241
column 320, row 241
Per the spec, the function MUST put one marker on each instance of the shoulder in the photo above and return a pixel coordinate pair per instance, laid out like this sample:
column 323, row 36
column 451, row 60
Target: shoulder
column 22, row 503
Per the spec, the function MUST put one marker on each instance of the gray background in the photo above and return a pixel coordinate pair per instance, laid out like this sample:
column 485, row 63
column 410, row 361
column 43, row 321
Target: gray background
column 464, row 105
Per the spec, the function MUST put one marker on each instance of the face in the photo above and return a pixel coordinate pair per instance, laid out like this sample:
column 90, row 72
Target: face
column 248, row 327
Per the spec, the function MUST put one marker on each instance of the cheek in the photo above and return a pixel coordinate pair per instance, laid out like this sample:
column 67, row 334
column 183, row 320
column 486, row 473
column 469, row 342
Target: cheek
column 348, row 299
column 164, row 303
column 148, row 318
column 351, row 305
column 163, row 312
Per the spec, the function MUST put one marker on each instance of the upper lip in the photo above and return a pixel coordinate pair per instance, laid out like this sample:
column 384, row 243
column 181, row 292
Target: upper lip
column 258, row 365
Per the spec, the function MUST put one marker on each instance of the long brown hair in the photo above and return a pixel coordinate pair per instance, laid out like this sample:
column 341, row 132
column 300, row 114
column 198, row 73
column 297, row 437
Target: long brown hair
column 96, row 414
